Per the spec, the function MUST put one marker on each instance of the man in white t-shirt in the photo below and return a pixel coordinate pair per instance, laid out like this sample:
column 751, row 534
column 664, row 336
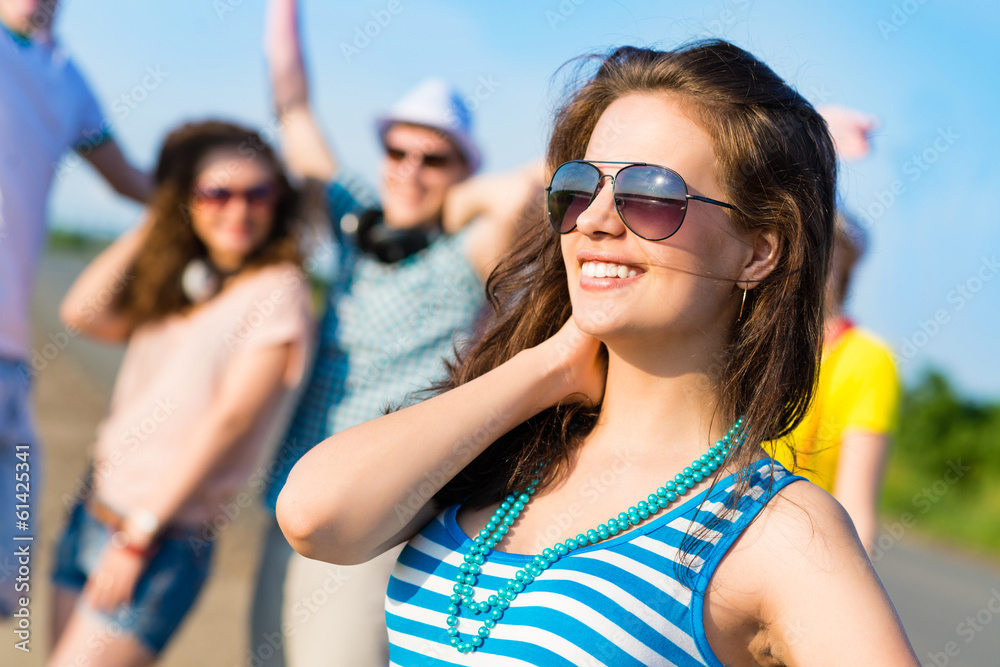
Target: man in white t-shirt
column 46, row 108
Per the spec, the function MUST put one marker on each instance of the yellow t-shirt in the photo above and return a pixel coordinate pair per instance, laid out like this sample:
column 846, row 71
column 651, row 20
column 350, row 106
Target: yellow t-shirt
column 857, row 390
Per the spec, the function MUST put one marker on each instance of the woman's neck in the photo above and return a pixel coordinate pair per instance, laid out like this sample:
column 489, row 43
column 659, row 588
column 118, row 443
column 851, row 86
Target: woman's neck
column 667, row 411
column 226, row 264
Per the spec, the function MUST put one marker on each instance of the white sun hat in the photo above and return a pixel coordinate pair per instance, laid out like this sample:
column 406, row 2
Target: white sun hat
column 436, row 104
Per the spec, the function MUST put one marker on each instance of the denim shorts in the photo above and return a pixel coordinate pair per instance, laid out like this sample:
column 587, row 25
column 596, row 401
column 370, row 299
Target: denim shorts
column 163, row 595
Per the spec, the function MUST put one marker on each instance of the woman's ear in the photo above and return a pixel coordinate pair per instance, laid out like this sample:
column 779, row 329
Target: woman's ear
column 767, row 247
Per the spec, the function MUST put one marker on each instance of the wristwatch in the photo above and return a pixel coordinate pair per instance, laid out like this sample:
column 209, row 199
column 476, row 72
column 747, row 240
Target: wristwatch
column 145, row 521
column 145, row 527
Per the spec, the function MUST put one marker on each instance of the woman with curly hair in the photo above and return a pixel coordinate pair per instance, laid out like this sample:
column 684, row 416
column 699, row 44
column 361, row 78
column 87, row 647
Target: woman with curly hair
column 209, row 295
column 591, row 488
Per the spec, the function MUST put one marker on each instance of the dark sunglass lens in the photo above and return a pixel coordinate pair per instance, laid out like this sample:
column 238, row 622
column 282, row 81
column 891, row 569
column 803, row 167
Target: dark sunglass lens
column 260, row 193
column 436, row 161
column 570, row 194
column 651, row 200
column 216, row 195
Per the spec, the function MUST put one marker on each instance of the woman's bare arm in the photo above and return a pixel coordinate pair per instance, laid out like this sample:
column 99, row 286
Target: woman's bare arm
column 388, row 469
column 501, row 207
column 247, row 388
column 822, row 602
column 88, row 306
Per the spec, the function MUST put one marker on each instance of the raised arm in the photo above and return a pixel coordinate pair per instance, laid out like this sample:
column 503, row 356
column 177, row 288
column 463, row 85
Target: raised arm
column 306, row 150
column 380, row 501
column 119, row 173
column 88, row 305
column 500, row 206
column 851, row 130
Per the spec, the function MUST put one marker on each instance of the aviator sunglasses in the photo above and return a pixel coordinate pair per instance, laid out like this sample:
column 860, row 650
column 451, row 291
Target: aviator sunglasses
column 651, row 200
column 259, row 196
column 429, row 160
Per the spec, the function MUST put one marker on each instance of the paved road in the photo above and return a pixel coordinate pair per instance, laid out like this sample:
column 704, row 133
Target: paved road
column 949, row 602
column 100, row 361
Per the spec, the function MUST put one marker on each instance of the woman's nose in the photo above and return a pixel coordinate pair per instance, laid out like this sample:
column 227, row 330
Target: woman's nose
column 601, row 216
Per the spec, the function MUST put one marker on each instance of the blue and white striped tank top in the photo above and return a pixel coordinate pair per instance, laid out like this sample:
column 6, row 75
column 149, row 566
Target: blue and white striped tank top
column 635, row 599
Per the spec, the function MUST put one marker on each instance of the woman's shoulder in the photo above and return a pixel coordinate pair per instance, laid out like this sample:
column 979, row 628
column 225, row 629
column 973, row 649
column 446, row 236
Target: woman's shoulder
column 802, row 559
column 277, row 272
column 276, row 281
column 798, row 508
column 800, row 535
column 802, row 530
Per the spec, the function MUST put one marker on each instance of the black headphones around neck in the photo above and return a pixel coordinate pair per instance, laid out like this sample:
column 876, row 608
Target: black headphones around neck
column 389, row 245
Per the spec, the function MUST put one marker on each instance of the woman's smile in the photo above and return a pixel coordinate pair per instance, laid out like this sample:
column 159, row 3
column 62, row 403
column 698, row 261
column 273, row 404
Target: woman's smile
column 601, row 271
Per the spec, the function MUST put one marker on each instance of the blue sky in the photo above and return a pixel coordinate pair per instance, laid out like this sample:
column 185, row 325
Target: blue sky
column 929, row 194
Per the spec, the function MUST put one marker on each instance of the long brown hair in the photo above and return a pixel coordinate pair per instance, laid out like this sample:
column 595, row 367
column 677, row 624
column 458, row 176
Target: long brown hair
column 154, row 289
column 776, row 165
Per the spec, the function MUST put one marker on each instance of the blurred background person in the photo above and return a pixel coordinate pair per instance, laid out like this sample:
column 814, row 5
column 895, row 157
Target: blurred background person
column 843, row 441
column 46, row 109
column 410, row 265
column 210, row 297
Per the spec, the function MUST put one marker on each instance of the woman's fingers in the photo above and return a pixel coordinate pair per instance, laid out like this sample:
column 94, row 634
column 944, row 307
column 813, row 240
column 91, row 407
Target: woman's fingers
column 112, row 582
column 97, row 591
column 580, row 360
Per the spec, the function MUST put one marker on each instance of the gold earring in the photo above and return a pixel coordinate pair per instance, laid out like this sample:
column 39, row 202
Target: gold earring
column 742, row 303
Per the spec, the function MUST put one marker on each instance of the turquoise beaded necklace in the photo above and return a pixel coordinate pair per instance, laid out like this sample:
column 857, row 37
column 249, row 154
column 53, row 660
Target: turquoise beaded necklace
column 494, row 606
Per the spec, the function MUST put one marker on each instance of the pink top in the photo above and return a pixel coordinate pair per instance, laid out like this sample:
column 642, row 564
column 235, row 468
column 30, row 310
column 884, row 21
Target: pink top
column 170, row 374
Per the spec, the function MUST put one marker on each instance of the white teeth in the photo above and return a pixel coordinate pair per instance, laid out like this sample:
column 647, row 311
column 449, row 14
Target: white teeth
column 607, row 270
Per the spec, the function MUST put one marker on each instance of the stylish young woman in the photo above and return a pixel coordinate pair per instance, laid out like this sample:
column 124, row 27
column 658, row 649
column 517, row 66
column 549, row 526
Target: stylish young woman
column 591, row 489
